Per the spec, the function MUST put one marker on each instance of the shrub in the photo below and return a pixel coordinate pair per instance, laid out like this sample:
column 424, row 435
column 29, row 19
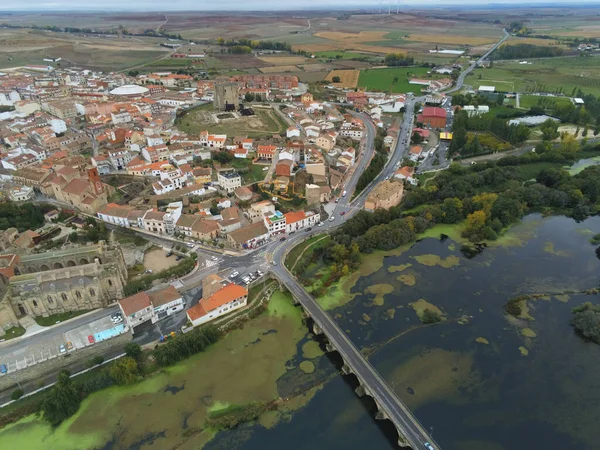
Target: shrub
column 430, row 316
column 17, row 394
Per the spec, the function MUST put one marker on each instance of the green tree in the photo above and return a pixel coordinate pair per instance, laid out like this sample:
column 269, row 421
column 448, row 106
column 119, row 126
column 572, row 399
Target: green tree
column 17, row 394
column 586, row 321
column 336, row 79
column 62, row 401
column 124, row 371
column 549, row 130
column 452, row 210
column 430, row 316
column 134, row 351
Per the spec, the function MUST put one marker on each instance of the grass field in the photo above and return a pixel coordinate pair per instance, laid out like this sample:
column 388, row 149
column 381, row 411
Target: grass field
column 528, row 101
column 553, row 73
column 382, row 79
column 264, row 123
column 340, row 55
column 348, row 78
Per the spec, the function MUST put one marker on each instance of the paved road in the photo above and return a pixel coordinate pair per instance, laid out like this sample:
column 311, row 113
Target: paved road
column 461, row 78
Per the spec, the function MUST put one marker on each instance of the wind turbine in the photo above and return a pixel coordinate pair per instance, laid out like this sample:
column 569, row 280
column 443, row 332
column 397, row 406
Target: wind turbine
column 397, row 6
column 390, row 7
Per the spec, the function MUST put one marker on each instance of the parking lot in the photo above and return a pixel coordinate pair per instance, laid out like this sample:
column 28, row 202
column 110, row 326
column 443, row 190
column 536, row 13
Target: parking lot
column 42, row 349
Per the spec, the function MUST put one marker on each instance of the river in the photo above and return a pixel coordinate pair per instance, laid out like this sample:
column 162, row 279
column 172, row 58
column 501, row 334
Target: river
column 478, row 380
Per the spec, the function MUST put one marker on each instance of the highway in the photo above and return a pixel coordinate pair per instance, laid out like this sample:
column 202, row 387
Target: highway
column 461, row 78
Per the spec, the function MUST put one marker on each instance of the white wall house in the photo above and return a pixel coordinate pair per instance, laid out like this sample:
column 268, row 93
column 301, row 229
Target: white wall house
column 224, row 301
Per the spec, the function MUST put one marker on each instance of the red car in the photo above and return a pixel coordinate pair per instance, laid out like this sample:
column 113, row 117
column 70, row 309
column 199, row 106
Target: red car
column 342, row 213
column 91, row 339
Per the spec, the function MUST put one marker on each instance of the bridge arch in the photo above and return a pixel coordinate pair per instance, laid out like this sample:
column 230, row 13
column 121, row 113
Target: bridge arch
column 44, row 268
column 71, row 263
column 58, row 265
column 83, row 261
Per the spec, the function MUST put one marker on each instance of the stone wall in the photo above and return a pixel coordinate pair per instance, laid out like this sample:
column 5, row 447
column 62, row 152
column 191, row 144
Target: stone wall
column 73, row 362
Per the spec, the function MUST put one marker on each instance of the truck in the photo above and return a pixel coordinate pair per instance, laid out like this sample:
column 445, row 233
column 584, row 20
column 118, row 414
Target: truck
column 344, row 194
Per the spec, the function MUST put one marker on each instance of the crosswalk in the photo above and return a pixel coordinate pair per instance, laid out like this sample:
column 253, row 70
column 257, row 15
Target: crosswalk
column 210, row 263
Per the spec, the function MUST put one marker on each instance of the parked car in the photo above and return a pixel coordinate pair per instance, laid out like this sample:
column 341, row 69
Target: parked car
column 234, row 274
column 148, row 270
column 337, row 200
column 309, row 229
column 332, row 218
column 91, row 339
column 62, row 348
column 178, row 257
column 274, row 263
column 282, row 239
column 320, row 224
column 214, row 258
column 291, row 232
column 428, row 446
column 69, row 346
column 342, row 213
column 3, row 368
column 190, row 244
column 169, row 254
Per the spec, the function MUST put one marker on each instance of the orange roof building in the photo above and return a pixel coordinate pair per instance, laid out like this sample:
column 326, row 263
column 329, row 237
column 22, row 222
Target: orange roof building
column 222, row 301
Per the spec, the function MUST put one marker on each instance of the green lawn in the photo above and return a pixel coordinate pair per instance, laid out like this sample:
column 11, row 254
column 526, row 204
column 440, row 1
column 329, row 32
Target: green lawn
column 528, row 101
column 382, row 79
column 294, row 254
column 13, row 332
column 54, row 318
column 543, row 75
column 255, row 172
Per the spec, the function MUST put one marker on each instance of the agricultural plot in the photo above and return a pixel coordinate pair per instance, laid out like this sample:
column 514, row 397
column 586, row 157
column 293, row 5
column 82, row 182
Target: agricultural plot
column 348, row 78
column 383, row 79
column 544, row 75
column 449, row 39
column 278, row 69
column 340, row 55
column 284, row 60
column 501, row 86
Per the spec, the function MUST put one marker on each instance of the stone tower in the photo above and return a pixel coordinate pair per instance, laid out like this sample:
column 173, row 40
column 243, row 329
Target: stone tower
column 227, row 95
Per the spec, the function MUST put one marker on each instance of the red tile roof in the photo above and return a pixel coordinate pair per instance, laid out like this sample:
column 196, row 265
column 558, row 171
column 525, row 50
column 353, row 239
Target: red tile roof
column 135, row 303
column 431, row 111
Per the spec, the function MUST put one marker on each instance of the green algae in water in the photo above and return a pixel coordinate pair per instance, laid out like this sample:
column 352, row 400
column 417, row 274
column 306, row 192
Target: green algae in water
column 482, row 340
column 281, row 306
column 399, row 268
column 549, row 248
column 421, row 305
column 218, row 406
column 408, row 279
column 380, row 290
column 528, row 332
column 311, row 350
column 523, row 351
column 436, row 260
column 307, row 367
column 390, row 313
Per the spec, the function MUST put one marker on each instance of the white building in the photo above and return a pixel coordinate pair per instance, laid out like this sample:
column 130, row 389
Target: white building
column 275, row 223
column 292, row 132
column 165, row 303
column 119, row 158
column 229, row 181
column 476, row 110
column 224, row 301
column 21, row 194
column 120, row 117
column 298, row 220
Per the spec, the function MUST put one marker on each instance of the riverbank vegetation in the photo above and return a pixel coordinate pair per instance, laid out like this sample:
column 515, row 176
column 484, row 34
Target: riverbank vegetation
column 481, row 200
column 63, row 400
column 234, row 415
column 375, row 166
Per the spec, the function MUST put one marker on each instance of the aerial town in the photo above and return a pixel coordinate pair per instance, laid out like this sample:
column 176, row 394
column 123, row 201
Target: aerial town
column 264, row 210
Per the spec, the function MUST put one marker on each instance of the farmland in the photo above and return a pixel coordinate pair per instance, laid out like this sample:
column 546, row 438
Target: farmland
column 341, row 55
column 348, row 78
column 278, row 69
column 383, row 79
column 549, row 74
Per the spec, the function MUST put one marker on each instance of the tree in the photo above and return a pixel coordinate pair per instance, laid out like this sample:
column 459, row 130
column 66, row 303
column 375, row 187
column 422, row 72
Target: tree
column 336, row 79
column 475, row 225
column 586, row 321
column 62, row 401
column 430, row 316
column 416, row 138
column 249, row 97
column 452, row 210
column 134, row 351
column 17, row 394
column 124, row 371
column 549, row 130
